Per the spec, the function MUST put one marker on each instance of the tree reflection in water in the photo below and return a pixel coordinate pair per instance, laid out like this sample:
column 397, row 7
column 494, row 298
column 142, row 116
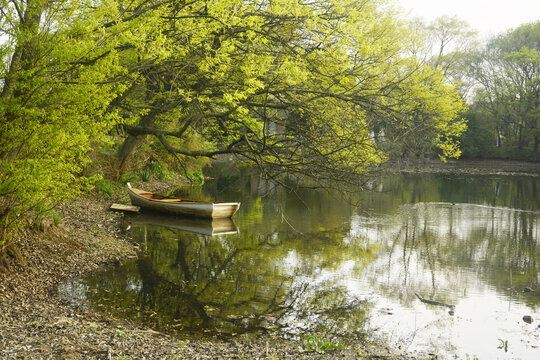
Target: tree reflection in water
column 435, row 244
column 476, row 257
column 234, row 284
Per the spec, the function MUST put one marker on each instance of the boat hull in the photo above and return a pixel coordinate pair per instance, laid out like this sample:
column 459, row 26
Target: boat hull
column 212, row 210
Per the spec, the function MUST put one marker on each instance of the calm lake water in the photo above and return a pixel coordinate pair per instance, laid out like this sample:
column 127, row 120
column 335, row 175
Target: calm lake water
column 344, row 268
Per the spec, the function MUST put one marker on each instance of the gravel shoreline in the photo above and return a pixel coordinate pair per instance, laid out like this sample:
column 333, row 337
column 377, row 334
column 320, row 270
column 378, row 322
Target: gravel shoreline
column 36, row 324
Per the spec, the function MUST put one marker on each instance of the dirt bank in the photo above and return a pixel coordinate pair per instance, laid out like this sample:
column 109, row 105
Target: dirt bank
column 35, row 324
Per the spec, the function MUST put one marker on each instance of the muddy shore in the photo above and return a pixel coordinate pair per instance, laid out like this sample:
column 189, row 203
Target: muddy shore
column 36, row 324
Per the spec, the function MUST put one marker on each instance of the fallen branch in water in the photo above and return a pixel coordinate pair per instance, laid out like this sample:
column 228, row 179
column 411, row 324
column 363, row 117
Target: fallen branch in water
column 432, row 302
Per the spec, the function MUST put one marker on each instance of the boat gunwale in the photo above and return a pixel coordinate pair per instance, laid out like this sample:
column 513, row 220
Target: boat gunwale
column 139, row 192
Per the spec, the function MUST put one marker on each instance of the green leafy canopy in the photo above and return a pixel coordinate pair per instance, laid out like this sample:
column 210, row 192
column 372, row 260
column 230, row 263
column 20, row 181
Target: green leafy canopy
column 314, row 89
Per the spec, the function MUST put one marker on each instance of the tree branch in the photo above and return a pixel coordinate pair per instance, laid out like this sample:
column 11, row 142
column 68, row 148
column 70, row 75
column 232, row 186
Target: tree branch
column 18, row 9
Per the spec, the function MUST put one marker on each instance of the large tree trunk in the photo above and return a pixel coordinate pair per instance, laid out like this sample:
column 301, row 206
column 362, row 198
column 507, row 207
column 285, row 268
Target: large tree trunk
column 127, row 149
column 132, row 142
column 26, row 47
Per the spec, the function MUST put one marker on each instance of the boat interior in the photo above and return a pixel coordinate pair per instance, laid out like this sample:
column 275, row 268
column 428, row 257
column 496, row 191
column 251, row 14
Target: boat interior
column 165, row 198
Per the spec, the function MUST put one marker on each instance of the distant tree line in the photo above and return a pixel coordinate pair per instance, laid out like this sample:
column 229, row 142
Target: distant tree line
column 504, row 118
column 499, row 80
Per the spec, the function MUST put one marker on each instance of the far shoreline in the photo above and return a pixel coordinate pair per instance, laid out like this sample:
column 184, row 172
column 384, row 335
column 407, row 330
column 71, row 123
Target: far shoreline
column 467, row 166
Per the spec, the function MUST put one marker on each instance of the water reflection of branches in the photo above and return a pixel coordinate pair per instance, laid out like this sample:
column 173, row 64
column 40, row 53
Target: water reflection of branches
column 215, row 266
column 156, row 286
column 327, row 309
column 453, row 241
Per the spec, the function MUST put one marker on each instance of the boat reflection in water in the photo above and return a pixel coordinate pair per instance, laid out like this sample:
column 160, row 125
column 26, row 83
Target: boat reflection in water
column 209, row 227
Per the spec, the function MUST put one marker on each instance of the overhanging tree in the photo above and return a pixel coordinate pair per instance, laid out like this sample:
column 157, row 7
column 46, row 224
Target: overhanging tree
column 295, row 87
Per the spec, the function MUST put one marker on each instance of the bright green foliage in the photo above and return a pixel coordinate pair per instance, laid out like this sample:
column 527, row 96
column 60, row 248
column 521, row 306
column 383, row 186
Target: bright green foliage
column 298, row 88
column 57, row 64
column 427, row 117
column 313, row 343
column 295, row 87
column 429, row 120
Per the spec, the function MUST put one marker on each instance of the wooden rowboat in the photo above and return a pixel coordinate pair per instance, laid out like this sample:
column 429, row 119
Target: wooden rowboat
column 204, row 209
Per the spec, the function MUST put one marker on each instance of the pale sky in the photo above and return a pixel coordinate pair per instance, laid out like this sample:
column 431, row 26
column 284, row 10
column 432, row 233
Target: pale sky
column 489, row 17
